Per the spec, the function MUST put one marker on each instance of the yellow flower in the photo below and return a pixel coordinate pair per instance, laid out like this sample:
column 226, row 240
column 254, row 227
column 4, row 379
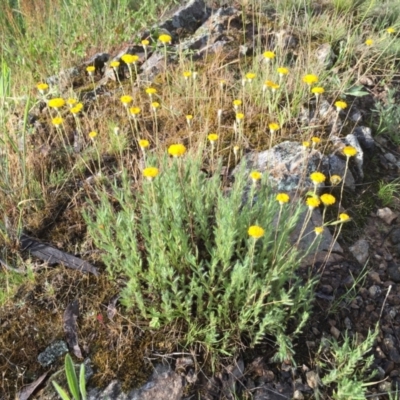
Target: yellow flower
column 134, row 111
column 390, row 30
column 313, row 202
column 270, row 84
column 369, row 42
column 143, row 144
column 189, row 118
column 315, row 140
column 150, row 91
column 237, row 103
column 42, row 87
column 335, row 180
column 340, row 105
column 317, row 177
column 145, row 42
column 187, row 74
column 58, row 102
column 256, row 232
column 90, row 69
column 327, row 199
column 77, row 109
column 269, row 55
column 236, row 150
column 317, row 90
column 255, row 176
column 129, row 58
column 282, row 198
column 344, row 217
column 239, row 117
column 177, row 150
column 273, row 127
column 309, row 79
column 165, row 39
column 306, row 145
column 71, row 102
column 92, row 134
column 150, row 173
column 114, row 64
column 282, row 71
column 125, row 100
column 349, row 151
column 212, row 137
column 155, row 105
column 57, row 121
column 250, row 76
column 318, row 230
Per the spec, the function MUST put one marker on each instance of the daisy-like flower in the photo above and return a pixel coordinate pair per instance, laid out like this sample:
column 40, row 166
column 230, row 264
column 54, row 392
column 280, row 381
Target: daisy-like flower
column 313, row 202
column 150, row 91
column 145, row 42
column 187, row 74
column 92, row 134
column 344, row 217
column 250, row 76
column 340, row 105
column 272, row 85
column 390, row 30
column 282, row 71
column 273, row 127
column 212, row 137
column 126, row 100
column 144, row 144
column 134, row 111
column 349, row 151
column 317, row 90
column 236, row 103
column 256, row 232
column 317, row 178
column 310, row 79
column 155, row 105
column 315, row 140
column 77, row 109
column 369, row 42
column 255, row 176
column 282, row 198
column 130, row 58
column 306, row 145
column 318, row 230
column 177, row 150
column 57, row 121
column 335, row 180
column 150, row 173
column 239, row 117
column 90, row 69
column 42, row 87
column 57, row 102
column 165, row 39
column 71, row 102
column 327, row 199
column 269, row 55
column 114, row 64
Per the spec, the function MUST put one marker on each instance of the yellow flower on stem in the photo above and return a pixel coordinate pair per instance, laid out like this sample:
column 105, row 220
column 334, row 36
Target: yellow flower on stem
column 327, row 199
column 272, row 85
column 282, row 71
column 250, row 76
column 145, row 42
column 315, row 140
column 187, row 74
column 92, row 134
column 130, row 58
column 310, row 79
column 340, row 105
column 90, row 69
column 317, row 90
column 335, row 180
column 165, row 39
column 349, row 151
column 255, row 176
column 57, row 102
column 369, row 42
column 236, row 103
column 318, row 230
column 150, row 91
column 135, row 111
column 273, row 127
column 390, row 30
column 269, row 55
column 77, row 109
column 177, row 150
column 114, row 64
column 313, row 202
column 150, row 173
column 189, row 118
column 126, row 100
column 282, row 198
column 239, row 117
column 256, row 232
column 42, row 87
column 212, row 137
column 144, row 144
column 57, row 121
column 155, row 105
column 344, row 217
column 317, row 178
column 306, row 145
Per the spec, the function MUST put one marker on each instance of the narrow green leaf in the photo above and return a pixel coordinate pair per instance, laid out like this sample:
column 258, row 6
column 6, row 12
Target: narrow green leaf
column 82, row 381
column 71, row 377
column 62, row 393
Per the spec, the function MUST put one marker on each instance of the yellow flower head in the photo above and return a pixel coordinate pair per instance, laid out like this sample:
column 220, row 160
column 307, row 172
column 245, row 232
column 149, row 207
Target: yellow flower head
column 189, row 118
column 340, row 105
column 177, row 150
column 134, row 111
column 165, row 39
column 77, row 109
column 150, row 173
column 327, row 199
column 150, row 91
column 317, row 177
column 271, row 85
column 255, row 176
column 155, row 105
column 212, row 137
column 318, row 230
column 125, row 100
column 256, row 232
column 335, row 180
column 71, row 102
column 42, row 87
column 306, row 145
column 344, row 217
column 130, row 58
column 310, row 79
column 114, row 64
column 143, row 144
column 349, row 151
column 187, row 74
column 58, row 102
column 282, row 71
column 369, row 42
column 90, row 69
column 315, row 140
column 145, row 42
column 390, row 30
column 317, row 90
column 92, row 134
column 237, row 103
column 250, row 76
column 313, row 202
column 239, row 117
column 57, row 121
column 269, row 55
column 273, row 127
column 282, row 198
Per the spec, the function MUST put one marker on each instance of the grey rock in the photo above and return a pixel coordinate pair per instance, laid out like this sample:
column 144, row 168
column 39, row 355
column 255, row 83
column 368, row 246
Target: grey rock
column 358, row 159
column 52, row 353
column 347, row 323
column 364, row 136
column 112, row 392
column 390, row 157
column 325, row 55
column 297, row 395
column 374, row 291
column 312, row 379
column 355, row 115
column 393, row 270
column 335, row 332
column 337, row 166
column 394, row 355
column 360, row 251
column 387, row 215
column 153, row 65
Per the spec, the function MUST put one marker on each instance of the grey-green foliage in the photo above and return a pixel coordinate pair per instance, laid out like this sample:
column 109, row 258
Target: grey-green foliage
column 347, row 365
column 182, row 244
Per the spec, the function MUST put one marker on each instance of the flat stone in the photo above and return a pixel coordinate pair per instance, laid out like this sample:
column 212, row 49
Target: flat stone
column 360, row 251
column 387, row 215
column 52, row 353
